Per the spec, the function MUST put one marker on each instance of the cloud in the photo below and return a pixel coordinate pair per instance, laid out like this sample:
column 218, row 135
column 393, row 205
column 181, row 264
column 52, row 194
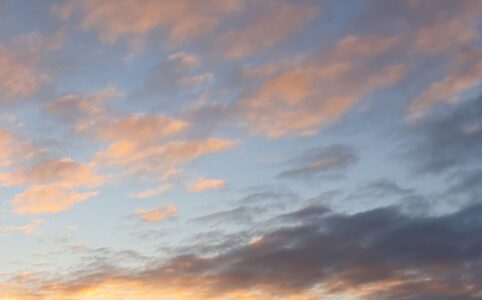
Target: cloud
column 465, row 72
column 203, row 184
column 179, row 76
column 142, row 128
column 14, row 148
column 51, row 183
column 316, row 162
column 62, row 172
column 47, row 199
column 181, row 20
column 267, row 25
column 380, row 253
column 156, row 160
column 442, row 31
column 160, row 213
column 443, row 142
column 152, row 192
column 83, row 108
column 142, row 144
column 240, row 215
column 301, row 99
column 435, row 37
column 29, row 228
column 20, row 60
column 184, row 60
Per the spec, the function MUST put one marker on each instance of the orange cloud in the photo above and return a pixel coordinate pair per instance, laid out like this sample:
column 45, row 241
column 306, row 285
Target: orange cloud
column 61, row 172
column 16, row 77
column 465, row 72
column 203, row 184
column 302, row 98
column 20, row 74
column 160, row 213
column 25, row 229
column 142, row 128
column 273, row 23
column 183, row 19
column 152, row 192
column 13, row 148
column 90, row 103
column 440, row 36
column 158, row 159
column 47, row 199
column 51, row 184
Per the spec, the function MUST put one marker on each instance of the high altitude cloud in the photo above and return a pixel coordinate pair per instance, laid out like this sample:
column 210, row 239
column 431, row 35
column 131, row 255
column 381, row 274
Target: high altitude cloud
column 182, row 20
column 465, row 72
column 160, row 213
column 13, row 146
column 52, row 184
column 300, row 99
column 144, row 145
column 272, row 21
column 47, row 199
column 20, row 71
column 61, row 172
column 29, row 228
column 439, row 33
column 203, row 184
column 152, row 192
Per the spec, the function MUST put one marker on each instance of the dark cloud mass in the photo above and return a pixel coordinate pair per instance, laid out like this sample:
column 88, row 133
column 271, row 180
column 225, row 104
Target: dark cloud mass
column 451, row 139
column 381, row 254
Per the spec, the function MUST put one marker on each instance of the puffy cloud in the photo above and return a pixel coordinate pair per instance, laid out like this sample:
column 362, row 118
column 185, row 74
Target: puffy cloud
column 303, row 98
column 52, row 184
column 182, row 20
column 160, row 213
column 158, row 159
column 144, row 145
column 61, row 172
column 47, row 199
column 272, row 22
column 203, row 184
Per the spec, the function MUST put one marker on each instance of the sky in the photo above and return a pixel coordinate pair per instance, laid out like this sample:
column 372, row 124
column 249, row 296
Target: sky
column 240, row 149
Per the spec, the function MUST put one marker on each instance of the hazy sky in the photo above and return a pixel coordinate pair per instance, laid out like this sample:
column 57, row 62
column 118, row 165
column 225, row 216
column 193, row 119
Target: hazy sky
column 240, row 149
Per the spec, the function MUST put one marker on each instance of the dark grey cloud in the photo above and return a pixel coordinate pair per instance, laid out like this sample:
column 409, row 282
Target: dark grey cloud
column 450, row 139
column 399, row 256
column 249, row 209
column 321, row 161
column 386, row 192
